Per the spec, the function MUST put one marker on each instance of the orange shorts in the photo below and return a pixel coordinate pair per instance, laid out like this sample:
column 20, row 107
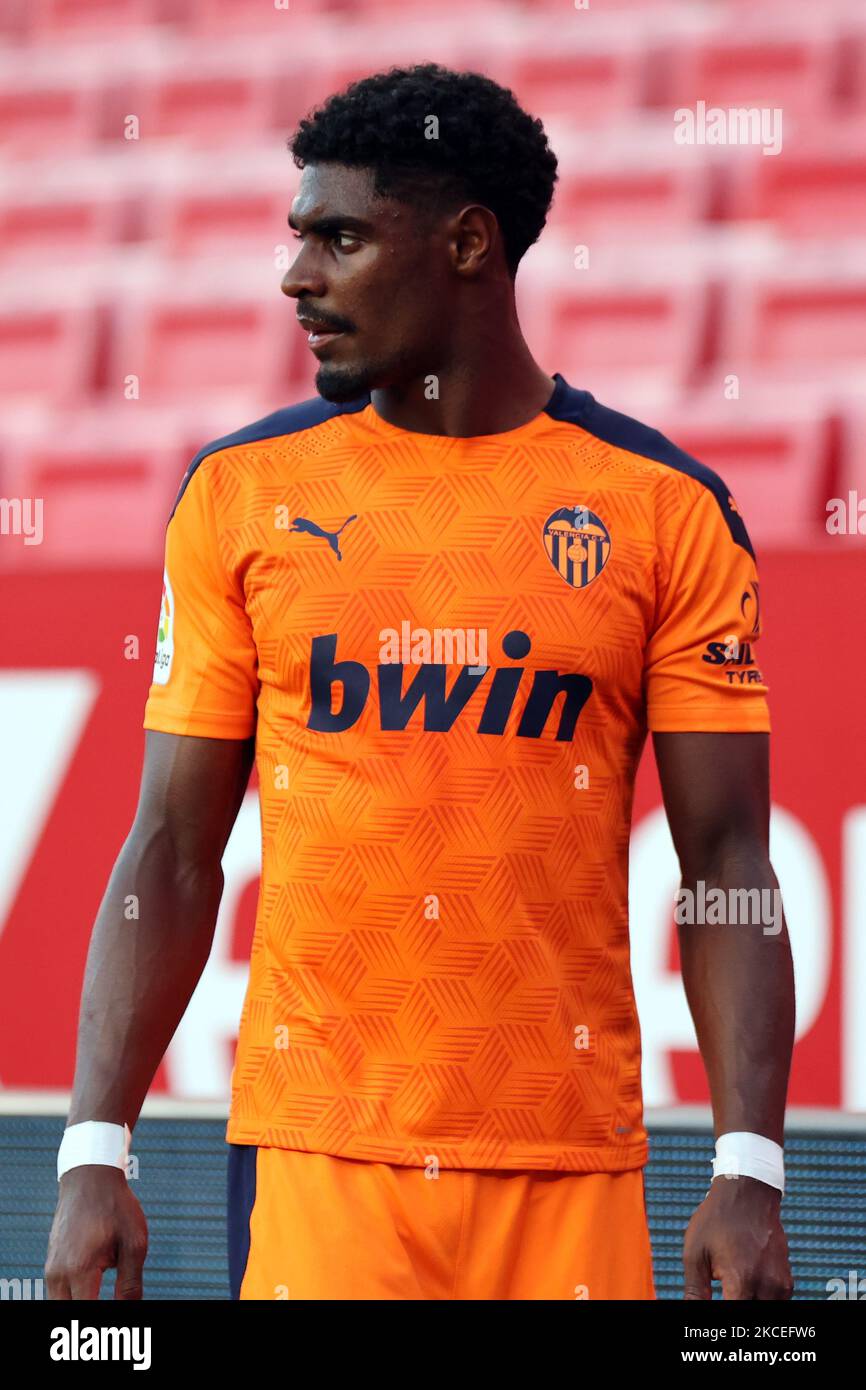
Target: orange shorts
column 312, row 1226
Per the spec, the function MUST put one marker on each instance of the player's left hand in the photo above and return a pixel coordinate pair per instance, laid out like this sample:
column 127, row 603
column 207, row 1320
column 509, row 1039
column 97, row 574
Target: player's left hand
column 736, row 1236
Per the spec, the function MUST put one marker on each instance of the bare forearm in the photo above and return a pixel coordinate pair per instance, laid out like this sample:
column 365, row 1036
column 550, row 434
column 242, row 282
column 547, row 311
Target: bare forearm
column 150, row 942
column 740, row 987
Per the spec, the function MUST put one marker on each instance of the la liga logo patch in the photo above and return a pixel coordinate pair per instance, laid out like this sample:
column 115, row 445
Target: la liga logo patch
column 165, row 635
column 577, row 543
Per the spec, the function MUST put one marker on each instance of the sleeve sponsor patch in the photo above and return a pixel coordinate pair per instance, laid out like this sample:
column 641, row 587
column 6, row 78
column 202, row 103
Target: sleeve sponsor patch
column 165, row 635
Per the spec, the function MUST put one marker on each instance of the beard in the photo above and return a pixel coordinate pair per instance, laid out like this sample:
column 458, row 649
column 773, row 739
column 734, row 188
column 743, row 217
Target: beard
column 337, row 384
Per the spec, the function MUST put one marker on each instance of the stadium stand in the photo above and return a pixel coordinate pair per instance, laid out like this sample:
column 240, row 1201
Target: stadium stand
column 140, row 137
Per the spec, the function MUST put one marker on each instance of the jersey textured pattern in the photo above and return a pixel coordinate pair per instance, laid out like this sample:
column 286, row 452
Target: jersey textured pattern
column 450, row 652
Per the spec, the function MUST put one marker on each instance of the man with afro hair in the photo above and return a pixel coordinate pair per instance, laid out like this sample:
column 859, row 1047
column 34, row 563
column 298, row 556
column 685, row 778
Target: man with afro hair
column 441, row 602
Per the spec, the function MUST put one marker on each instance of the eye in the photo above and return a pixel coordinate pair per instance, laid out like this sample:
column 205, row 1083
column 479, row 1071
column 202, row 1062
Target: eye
column 343, row 241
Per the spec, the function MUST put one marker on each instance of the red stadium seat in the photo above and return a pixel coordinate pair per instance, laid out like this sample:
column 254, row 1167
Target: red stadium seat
column 817, row 189
column 220, row 16
column 104, row 502
column 220, row 105
column 853, row 62
column 38, row 118
column 48, row 353
column 597, row 331
column 774, row 458
column 592, row 83
column 44, row 225
column 635, row 197
column 232, row 217
column 746, row 65
column 851, row 476
column 205, row 343
column 796, row 324
column 53, row 19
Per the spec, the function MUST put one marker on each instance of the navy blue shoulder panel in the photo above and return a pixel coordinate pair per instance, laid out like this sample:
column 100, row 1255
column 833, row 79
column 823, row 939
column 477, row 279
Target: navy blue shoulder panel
column 580, row 408
column 290, row 420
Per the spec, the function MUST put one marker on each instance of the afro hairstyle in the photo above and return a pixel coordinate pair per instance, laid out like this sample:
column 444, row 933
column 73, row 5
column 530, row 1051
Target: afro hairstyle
column 485, row 147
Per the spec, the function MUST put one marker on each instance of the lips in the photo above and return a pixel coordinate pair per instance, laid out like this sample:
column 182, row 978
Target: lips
column 316, row 339
column 318, row 333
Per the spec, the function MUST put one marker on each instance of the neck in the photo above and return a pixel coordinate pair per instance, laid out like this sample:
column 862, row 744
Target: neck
column 487, row 383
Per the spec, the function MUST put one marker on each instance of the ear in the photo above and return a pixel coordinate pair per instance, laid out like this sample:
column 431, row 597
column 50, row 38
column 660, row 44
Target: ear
column 472, row 237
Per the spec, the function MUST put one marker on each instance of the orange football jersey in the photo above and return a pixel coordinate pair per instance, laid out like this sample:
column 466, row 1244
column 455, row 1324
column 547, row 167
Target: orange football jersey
column 450, row 651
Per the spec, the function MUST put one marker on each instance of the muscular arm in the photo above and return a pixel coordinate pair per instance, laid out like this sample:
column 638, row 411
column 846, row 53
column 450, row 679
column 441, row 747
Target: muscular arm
column 740, row 988
column 141, row 971
column 149, row 945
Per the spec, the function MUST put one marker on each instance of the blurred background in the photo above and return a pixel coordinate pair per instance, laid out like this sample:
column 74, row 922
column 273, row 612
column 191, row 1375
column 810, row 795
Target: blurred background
column 715, row 291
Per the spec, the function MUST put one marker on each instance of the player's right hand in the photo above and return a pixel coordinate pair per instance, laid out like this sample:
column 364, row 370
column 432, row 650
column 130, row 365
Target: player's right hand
column 98, row 1225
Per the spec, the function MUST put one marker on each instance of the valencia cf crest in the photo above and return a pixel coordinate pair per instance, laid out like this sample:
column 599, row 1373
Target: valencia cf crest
column 577, row 545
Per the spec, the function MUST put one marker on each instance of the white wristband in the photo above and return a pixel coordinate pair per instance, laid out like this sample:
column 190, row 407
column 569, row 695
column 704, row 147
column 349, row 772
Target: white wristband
column 93, row 1141
column 744, row 1155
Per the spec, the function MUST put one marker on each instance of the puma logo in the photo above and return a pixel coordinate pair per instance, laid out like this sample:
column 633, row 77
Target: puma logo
column 302, row 523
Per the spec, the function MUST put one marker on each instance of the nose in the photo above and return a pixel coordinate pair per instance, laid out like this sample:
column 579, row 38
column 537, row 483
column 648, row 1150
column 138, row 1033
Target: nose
column 303, row 278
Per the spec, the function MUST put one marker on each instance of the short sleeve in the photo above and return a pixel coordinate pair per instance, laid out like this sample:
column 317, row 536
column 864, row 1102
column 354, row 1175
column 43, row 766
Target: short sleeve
column 205, row 675
column 701, row 672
